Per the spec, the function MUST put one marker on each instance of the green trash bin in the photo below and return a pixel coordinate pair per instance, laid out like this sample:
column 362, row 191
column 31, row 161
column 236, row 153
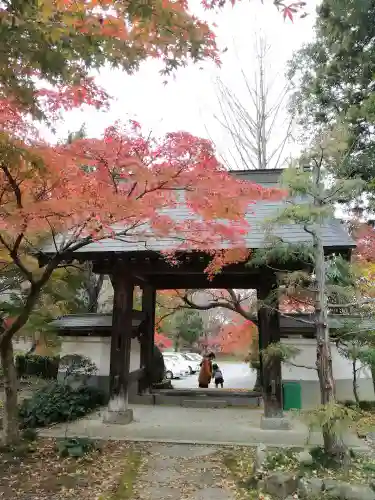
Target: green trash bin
column 292, row 397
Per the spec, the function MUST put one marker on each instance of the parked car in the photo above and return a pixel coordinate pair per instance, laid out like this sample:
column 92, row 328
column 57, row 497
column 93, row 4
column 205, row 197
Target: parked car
column 179, row 360
column 172, row 369
column 195, row 355
column 194, row 363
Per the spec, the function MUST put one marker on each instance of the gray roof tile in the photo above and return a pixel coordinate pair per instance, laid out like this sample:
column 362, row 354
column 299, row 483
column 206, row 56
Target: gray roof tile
column 88, row 321
column 334, row 233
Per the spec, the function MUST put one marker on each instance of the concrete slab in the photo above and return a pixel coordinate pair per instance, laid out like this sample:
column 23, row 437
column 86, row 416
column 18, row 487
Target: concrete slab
column 118, row 417
column 183, row 451
column 149, row 492
column 220, row 426
column 181, row 472
column 161, row 475
column 212, row 494
column 275, row 424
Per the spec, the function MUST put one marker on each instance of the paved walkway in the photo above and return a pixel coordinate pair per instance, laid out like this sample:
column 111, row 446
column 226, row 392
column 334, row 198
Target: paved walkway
column 234, row 426
column 181, row 472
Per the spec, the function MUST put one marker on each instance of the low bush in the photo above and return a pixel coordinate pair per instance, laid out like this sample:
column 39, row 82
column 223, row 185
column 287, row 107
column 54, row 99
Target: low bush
column 367, row 405
column 36, row 365
column 157, row 367
column 29, row 435
column 362, row 405
column 77, row 367
column 59, row 403
column 75, row 447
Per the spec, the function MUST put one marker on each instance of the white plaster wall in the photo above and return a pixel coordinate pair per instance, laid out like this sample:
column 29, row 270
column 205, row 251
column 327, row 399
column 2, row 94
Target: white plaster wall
column 22, row 344
column 342, row 372
column 98, row 350
column 342, row 367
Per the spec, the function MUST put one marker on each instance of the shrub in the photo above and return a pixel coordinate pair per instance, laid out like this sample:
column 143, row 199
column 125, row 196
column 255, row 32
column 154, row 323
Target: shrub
column 367, row 405
column 157, row 370
column 29, row 435
column 77, row 367
column 362, row 405
column 59, row 403
column 75, row 447
column 36, row 365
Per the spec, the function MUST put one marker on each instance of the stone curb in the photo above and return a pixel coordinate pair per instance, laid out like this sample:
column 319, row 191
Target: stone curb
column 361, row 449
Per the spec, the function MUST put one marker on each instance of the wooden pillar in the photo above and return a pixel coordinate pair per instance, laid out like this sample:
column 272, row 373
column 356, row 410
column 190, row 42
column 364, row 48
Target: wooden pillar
column 123, row 288
column 147, row 339
column 269, row 332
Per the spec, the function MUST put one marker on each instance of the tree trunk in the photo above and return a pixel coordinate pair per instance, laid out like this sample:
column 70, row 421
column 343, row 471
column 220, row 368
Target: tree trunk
column 258, row 381
column 269, row 333
column 323, row 352
column 372, row 368
column 355, row 381
column 10, row 417
column 177, row 342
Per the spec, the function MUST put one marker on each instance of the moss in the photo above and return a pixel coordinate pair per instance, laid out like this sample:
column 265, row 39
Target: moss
column 124, row 489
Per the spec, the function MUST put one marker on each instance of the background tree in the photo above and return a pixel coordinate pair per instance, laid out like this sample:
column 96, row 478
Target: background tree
column 240, row 336
column 334, row 78
column 259, row 126
column 309, row 182
column 236, row 337
column 188, row 328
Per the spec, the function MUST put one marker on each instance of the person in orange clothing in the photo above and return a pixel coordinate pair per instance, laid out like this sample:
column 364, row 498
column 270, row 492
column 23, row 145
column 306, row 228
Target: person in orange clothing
column 205, row 373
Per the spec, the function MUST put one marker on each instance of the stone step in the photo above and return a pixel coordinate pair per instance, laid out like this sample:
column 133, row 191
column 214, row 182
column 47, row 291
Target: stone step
column 199, row 402
column 211, row 393
column 205, row 403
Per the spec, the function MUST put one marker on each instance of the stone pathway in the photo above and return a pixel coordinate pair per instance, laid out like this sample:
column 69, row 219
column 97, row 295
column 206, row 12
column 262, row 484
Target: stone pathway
column 182, row 472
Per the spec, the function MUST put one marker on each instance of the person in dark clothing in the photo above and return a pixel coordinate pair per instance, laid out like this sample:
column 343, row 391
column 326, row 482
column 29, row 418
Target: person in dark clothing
column 217, row 375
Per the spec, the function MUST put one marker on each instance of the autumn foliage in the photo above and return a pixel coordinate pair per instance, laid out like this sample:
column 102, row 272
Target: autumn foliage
column 123, row 185
column 162, row 341
column 236, row 337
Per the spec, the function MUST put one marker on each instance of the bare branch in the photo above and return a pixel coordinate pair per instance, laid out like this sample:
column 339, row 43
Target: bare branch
column 251, row 124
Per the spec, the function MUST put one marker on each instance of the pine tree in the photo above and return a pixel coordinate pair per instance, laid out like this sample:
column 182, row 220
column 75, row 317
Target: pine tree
column 313, row 194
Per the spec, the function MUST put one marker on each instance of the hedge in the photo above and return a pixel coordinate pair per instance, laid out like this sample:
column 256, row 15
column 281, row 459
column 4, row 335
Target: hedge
column 40, row 366
column 59, row 402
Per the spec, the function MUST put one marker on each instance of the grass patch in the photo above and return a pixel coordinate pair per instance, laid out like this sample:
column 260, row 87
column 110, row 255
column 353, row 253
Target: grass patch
column 130, row 470
column 41, row 473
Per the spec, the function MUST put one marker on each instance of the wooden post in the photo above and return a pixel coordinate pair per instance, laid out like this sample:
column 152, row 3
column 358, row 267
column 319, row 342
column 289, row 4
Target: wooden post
column 269, row 332
column 147, row 339
column 123, row 286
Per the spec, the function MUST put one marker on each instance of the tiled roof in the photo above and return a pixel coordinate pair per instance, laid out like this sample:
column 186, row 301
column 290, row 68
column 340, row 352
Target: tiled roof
column 333, row 232
column 88, row 321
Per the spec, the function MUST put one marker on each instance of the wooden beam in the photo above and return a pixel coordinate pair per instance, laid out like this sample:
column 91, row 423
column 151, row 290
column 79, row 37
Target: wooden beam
column 147, row 338
column 189, row 262
column 269, row 332
column 123, row 287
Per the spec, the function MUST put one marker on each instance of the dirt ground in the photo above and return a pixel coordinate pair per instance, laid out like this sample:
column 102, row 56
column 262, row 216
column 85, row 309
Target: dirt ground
column 42, row 474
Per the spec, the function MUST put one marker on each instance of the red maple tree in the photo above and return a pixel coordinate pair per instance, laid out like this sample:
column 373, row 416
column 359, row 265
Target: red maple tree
column 116, row 186
column 364, row 235
column 71, row 37
column 236, row 337
column 162, row 341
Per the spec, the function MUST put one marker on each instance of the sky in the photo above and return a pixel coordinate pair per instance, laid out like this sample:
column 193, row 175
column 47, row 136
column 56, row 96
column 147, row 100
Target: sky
column 188, row 102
